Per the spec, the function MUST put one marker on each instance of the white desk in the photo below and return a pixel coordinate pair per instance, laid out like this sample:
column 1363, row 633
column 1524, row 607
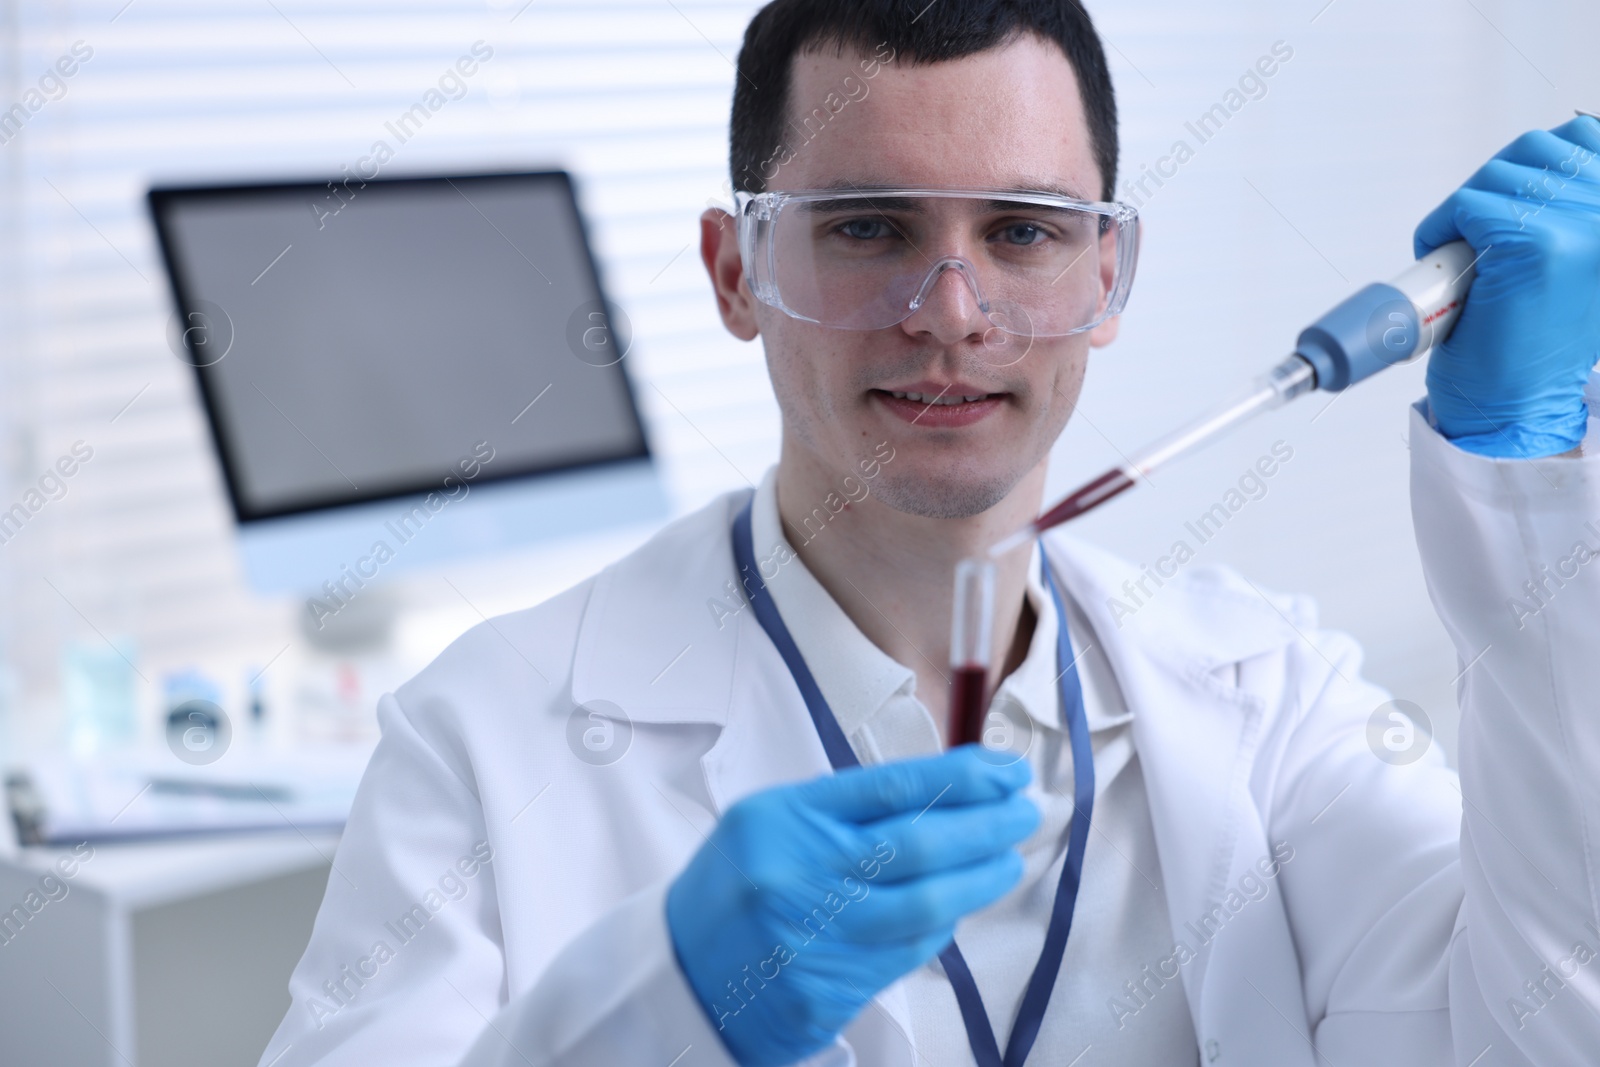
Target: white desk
column 170, row 953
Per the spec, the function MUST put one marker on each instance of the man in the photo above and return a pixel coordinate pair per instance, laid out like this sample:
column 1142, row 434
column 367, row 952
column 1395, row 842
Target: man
column 624, row 826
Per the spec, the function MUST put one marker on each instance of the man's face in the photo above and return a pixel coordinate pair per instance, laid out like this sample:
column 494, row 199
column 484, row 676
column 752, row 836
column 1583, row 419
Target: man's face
column 1007, row 118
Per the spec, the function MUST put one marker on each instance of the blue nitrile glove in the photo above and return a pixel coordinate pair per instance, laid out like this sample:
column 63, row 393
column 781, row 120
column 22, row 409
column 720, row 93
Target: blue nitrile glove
column 809, row 899
column 1509, row 380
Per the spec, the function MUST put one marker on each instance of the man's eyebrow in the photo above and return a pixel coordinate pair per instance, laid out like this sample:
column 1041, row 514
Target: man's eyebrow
column 1055, row 188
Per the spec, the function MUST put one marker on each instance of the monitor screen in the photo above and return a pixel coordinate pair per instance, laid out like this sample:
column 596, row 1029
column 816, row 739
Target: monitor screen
column 356, row 342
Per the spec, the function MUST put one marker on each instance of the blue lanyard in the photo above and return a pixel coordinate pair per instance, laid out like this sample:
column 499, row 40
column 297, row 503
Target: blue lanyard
column 980, row 1034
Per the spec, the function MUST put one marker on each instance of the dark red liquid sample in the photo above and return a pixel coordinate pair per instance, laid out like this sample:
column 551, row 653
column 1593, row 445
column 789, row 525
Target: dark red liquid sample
column 967, row 685
column 1088, row 498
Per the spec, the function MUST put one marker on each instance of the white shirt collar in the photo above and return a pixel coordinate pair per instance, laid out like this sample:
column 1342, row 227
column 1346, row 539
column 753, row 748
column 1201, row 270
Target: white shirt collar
column 857, row 678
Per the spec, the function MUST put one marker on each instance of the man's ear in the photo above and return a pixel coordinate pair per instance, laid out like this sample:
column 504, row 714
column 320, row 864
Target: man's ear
column 1106, row 332
column 719, row 250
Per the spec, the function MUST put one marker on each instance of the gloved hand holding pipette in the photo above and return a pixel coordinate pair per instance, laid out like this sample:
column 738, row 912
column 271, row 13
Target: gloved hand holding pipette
column 1509, row 380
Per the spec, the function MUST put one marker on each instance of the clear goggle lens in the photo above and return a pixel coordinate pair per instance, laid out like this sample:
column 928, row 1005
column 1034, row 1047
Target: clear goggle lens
column 1038, row 265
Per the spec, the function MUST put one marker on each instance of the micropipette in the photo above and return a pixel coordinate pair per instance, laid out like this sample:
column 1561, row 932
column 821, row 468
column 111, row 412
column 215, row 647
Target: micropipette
column 1380, row 326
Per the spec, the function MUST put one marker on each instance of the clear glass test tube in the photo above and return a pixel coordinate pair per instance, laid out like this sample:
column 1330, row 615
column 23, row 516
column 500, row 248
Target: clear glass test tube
column 971, row 635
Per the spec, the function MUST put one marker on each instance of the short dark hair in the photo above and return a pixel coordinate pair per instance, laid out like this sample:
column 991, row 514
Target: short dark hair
column 945, row 29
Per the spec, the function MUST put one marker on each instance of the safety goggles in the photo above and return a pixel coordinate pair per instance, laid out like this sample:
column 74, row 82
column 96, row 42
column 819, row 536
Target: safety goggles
column 1040, row 265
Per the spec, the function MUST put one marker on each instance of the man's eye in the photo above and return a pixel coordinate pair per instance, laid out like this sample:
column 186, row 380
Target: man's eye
column 864, row 229
column 1024, row 233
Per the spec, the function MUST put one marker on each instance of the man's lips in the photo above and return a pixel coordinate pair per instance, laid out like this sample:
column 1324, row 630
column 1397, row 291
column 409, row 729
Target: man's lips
column 927, row 407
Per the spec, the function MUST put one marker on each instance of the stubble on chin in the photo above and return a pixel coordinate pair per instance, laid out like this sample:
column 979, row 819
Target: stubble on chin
column 952, row 497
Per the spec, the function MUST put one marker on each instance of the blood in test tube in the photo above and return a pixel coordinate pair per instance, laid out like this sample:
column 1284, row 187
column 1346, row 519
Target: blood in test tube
column 971, row 629
column 967, row 685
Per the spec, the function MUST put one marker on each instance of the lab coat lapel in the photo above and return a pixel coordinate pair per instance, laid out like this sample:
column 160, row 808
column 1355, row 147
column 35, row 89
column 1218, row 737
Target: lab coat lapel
column 659, row 636
column 1196, row 735
column 667, row 638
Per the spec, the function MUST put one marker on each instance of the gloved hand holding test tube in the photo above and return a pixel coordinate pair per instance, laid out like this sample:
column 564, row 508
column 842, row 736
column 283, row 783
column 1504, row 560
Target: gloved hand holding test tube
column 1380, row 326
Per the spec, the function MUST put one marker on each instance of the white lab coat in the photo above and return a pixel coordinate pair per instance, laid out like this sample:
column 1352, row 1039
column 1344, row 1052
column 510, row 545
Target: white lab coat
column 1398, row 933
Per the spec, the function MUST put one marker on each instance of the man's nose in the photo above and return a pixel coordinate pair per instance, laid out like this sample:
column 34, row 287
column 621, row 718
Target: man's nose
column 950, row 310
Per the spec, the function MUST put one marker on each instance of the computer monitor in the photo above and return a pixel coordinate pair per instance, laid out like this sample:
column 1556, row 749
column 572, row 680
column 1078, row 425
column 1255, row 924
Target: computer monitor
column 403, row 370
